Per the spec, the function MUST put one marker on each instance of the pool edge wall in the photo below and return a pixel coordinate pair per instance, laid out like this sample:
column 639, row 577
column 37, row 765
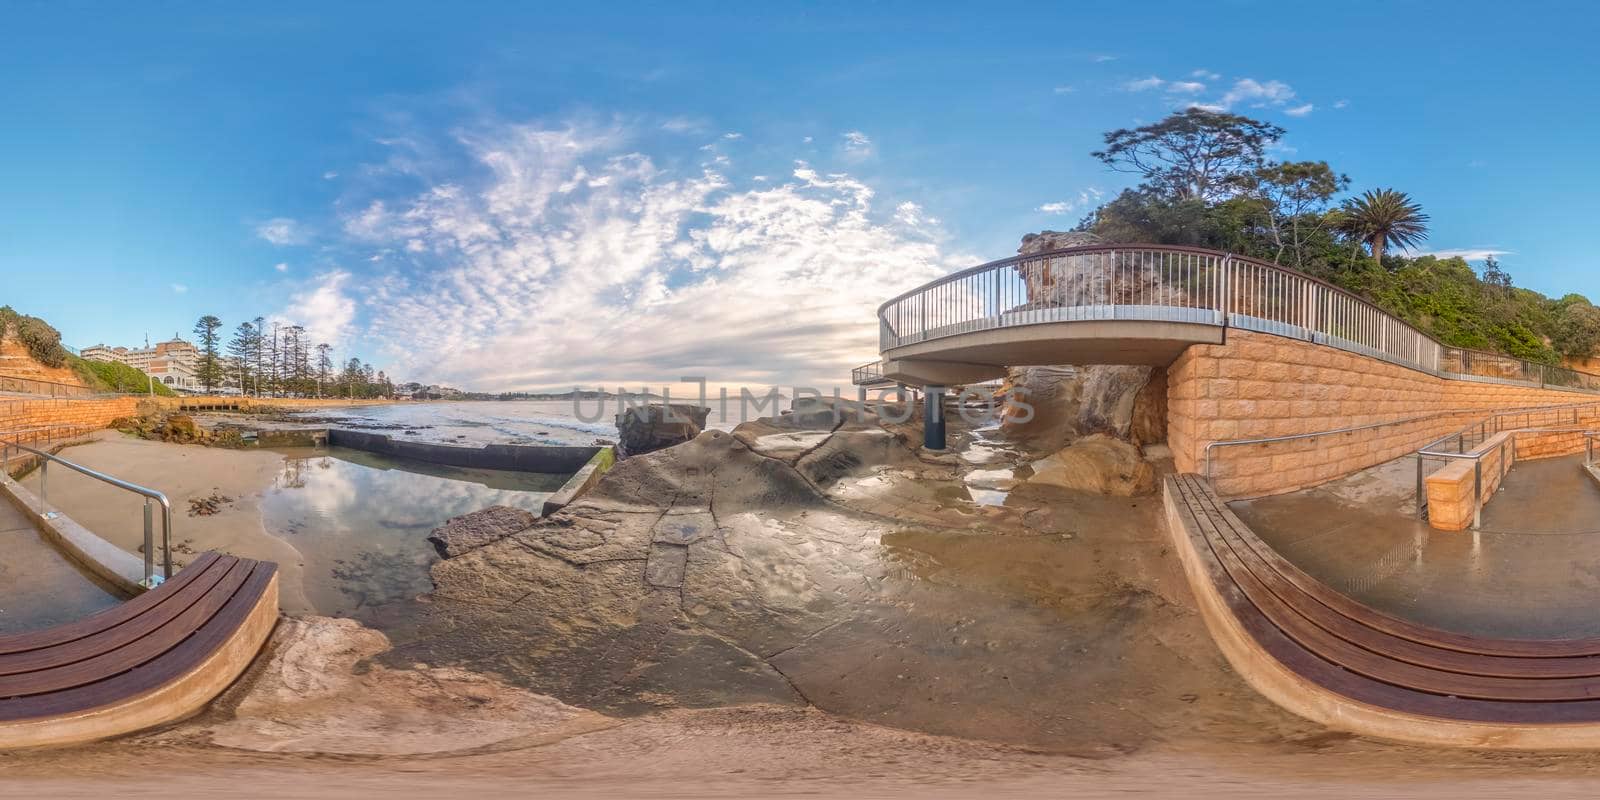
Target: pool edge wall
column 564, row 459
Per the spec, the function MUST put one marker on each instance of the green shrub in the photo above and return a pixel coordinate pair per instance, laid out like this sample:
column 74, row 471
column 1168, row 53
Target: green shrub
column 42, row 341
column 110, row 377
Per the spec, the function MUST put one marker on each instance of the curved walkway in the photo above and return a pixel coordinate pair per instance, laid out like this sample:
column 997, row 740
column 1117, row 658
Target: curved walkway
column 154, row 659
column 1146, row 304
column 1329, row 658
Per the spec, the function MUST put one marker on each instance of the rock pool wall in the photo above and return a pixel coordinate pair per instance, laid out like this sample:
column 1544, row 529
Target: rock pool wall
column 521, row 458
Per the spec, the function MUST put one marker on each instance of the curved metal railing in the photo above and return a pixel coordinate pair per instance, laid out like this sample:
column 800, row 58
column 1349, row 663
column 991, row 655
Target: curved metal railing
column 1183, row 284
column 151, row 497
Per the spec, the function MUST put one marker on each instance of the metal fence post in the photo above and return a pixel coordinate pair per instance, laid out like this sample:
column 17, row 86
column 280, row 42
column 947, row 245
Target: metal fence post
column 1422, row 497
column 1477, row 492
column 149, row 543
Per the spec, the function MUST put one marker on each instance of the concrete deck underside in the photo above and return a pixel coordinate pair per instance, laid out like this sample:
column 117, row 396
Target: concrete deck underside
column 985, row 355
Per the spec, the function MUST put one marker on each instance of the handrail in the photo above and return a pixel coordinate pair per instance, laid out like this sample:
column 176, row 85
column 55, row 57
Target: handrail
column 150, row 578
column 1190, row 285
column 1476, row 456
column 1385, row 423
column 19, row 384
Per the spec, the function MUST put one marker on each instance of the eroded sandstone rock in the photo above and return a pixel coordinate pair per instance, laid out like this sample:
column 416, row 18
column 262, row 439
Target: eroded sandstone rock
column 645, row 429
column 319, row 693
column 471, row 531
column 1098, row 463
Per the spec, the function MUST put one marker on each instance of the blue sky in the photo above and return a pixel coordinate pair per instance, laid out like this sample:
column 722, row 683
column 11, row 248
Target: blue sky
column 509, row 196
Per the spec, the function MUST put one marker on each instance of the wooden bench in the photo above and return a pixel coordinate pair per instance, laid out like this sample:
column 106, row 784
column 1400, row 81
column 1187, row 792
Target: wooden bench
column 1328, row 657
column 157, row 658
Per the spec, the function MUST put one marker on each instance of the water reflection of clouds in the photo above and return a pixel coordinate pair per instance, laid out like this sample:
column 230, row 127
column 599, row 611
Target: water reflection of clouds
column 362, row 529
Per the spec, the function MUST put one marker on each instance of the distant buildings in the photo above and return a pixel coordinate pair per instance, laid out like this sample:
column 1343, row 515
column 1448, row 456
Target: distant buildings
column 418, row 391
column 175, row 362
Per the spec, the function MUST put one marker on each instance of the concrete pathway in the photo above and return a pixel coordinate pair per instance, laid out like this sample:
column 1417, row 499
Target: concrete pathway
column 1531, row 571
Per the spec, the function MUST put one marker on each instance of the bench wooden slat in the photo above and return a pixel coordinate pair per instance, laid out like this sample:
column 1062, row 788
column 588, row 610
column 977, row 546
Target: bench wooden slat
column 183, row 596
column 100, row 621
column 142, row 650
column 174, row 663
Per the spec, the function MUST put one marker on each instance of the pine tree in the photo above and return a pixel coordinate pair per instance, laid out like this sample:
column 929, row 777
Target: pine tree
column 210, row 368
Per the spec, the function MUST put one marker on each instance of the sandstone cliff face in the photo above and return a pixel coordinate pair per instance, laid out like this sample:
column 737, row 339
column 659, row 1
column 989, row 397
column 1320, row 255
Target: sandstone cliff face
column 1093, row 419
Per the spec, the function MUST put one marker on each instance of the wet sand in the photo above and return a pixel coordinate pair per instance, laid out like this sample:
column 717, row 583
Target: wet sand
column 181, row 472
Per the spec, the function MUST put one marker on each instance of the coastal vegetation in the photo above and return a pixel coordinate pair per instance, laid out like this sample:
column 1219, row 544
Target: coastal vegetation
column 1207, row 181
column 109, row 376
column 43, row 344
column 42, row 341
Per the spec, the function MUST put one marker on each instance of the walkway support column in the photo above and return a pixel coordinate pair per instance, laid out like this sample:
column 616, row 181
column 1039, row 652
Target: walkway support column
column 933, row 418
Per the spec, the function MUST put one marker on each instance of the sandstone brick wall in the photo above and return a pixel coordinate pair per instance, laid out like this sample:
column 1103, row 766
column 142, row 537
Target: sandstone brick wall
column 1453, row 491
column 87, row 412
column 1259, row 385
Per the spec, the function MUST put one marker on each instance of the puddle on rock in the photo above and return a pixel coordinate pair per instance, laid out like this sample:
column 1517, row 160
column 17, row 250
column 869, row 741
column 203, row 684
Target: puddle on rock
column 361, row 522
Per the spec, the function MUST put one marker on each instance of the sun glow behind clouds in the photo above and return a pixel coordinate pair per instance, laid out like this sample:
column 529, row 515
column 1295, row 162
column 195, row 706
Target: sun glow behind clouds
column 565, row 257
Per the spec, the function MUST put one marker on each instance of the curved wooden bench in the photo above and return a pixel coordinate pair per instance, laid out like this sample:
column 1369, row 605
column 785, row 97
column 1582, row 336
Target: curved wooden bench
column 156, row 658
column 1328, row 657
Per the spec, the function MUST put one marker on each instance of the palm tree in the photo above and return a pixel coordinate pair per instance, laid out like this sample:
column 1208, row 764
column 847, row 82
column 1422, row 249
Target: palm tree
column 1383, row 216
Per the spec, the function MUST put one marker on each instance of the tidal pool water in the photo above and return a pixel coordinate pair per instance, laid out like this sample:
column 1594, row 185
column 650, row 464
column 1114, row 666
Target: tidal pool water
column 361, row 522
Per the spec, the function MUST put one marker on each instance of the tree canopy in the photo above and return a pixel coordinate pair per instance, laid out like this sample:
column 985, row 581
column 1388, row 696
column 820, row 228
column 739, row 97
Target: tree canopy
column 1207, row 183
column 1191, row 155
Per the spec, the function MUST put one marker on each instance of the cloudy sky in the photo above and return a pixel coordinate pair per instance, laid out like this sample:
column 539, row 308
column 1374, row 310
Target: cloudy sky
column 505, row 197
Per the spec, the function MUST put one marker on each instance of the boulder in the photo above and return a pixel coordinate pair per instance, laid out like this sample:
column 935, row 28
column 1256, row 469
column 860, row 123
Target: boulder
column 1046, row 241
column 645, row 429
column 471, row 531
column 1099, row 464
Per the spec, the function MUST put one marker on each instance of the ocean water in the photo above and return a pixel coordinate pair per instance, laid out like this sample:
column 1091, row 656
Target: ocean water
column 555, row 422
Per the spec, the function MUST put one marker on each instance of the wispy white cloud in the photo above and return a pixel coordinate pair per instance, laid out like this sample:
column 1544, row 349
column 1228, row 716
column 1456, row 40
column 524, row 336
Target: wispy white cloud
column 179, row 288
column 1085, row 199
column 1170, row 88
column 281, row 231
column 731, row 135
column 1102, row 58
column 281, row 266
column 1065, row 89
column 1258, row 93
column 1341, row 103
column 683, row 125
column 858, row 145
column 529, row 271
column 1467, row 253
column 1205, row 75
column 1251, row 93
column 329, row 175
column 324, row 308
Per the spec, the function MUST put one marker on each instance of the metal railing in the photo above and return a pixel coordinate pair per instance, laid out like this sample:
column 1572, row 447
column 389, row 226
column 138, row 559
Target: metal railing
column 151, row 496
column 1468, row 438
column 1182, row 284
column 20, row 385
column 1466, row 445
column 868, row 374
